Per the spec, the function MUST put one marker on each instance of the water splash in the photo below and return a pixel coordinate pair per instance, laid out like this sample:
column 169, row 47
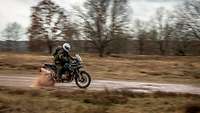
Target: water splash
column 43, row 79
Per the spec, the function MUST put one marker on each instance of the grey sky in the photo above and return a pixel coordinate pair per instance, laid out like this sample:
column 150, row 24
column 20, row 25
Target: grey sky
column 20, row 10
column 145, row 9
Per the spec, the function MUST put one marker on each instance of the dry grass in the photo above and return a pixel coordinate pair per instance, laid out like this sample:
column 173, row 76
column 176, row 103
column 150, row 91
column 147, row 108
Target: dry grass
column 41, row 101
column 168, row 69
column 147, row 68
column 192, row 107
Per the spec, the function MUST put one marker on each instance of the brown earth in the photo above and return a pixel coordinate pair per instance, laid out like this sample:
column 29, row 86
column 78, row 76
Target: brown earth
column 80, row 101
column 19, row 70
column 162, row 69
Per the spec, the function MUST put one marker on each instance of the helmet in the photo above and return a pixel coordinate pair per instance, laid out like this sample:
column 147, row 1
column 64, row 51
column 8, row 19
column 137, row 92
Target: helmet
column 66, row 47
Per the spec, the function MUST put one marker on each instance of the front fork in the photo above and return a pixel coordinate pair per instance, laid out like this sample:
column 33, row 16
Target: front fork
column 78, row 75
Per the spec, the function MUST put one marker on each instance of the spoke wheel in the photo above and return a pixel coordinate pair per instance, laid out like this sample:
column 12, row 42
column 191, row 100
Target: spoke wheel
column 84, row 80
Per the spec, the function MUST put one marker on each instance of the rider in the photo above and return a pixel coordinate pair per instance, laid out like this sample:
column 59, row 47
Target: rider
column 62, row 59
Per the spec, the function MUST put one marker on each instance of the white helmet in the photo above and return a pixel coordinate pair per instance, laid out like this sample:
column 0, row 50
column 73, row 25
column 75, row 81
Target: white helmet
column 66, row 47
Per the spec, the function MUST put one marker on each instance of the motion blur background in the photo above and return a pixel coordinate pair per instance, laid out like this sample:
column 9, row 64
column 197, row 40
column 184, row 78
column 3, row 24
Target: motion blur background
column 139, row 41
column 145, row 27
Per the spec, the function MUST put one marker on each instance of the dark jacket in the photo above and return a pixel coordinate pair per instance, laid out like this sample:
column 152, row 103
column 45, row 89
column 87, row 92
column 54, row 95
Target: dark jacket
column 61, row 56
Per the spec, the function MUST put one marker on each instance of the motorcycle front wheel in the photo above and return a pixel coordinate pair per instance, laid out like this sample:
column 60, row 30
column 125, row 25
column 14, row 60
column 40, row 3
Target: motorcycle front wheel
column 83, row 81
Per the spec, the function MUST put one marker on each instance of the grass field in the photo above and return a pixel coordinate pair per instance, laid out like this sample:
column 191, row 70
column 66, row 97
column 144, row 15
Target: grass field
column 43, row 101
column 168, row 69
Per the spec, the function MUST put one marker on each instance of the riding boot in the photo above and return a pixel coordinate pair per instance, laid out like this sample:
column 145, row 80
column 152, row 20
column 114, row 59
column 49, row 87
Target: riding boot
column 59, row 72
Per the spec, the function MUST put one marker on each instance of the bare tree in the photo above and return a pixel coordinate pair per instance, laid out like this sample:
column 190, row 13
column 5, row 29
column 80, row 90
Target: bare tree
column 103, row 21
column 49, row 23
column 187, row 26
column 12, row 32
column 66, row 29
column 181, row 39
column 140, row 31
column 164, row 29
column 188, row 15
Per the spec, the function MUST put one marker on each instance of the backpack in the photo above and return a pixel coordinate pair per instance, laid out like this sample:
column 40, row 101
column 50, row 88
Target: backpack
column 56, row 54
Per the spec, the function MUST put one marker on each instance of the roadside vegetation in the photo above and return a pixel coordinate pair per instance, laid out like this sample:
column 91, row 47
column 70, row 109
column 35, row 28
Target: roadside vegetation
column 55, row 101
column 168, row 69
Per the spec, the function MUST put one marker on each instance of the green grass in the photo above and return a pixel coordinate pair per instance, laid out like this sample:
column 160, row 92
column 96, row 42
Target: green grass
column 43, row 101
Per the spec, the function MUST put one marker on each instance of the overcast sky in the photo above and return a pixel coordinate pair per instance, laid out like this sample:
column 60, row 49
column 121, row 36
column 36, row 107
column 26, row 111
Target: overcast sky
column 20, row 10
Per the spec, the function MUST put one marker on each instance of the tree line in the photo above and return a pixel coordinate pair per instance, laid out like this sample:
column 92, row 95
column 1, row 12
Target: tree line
column 106, row 24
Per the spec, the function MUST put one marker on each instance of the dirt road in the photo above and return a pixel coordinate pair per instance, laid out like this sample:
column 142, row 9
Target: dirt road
column 25, row 82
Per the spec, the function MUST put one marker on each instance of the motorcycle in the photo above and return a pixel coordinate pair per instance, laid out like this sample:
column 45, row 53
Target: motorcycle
column 81, row 77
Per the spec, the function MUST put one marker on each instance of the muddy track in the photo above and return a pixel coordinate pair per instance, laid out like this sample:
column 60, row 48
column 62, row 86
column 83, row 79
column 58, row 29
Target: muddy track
column 25, row 82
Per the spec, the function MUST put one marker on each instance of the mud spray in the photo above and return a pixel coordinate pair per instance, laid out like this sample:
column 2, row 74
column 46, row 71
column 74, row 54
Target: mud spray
column 43, row 79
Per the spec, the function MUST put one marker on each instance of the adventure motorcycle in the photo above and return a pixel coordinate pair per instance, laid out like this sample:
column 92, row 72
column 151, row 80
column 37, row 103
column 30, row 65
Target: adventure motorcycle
column 82, row 78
